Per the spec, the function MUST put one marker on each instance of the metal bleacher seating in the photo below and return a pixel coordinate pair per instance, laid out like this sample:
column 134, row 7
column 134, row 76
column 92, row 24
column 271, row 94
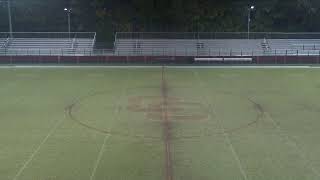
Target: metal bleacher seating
column 2, row 43
column 162, row 44
column 19, row 45
column 48, row 46
column 190, row 47
column 295, row 46
column 217, row 44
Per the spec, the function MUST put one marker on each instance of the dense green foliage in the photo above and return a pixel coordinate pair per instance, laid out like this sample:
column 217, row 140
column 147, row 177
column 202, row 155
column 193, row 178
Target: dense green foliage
column 109, row 16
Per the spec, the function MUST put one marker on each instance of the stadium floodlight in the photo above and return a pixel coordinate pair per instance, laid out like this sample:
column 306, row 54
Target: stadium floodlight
column 251, row 8
column 9, row 15
column 69, row 11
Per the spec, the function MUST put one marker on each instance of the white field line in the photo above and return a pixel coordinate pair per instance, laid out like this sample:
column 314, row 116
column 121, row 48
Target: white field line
column 116, row 116
column 35, row 152
column 156, row 66
column 294, row 144
column 99, row 156
column 226, row 135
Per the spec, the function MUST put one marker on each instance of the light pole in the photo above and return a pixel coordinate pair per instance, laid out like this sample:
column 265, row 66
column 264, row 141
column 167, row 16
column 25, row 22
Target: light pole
column 9, row 16
column 69, row 11
column 251, row 8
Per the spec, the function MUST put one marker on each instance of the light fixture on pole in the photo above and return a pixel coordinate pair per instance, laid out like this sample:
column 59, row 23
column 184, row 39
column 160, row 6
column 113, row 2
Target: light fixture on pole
column 9, row 15
column 69, row 11
column 251, row 8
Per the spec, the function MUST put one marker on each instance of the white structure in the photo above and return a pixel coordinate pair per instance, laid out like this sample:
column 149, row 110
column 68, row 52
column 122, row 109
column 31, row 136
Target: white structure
column 47, row 44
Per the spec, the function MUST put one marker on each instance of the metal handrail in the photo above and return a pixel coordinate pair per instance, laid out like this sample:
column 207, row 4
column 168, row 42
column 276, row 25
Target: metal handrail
column 94, row 40
column 159, row 52
column 216, row 35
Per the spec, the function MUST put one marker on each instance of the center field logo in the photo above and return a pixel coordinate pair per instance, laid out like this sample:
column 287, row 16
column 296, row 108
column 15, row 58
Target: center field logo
column 189, row 118
column 177, row 109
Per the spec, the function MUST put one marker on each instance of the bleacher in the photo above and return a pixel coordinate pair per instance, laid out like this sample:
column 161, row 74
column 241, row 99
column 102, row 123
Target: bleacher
column 162, row 44
column 47, row 44
column 3, row 45
column 294, row 46
column 216, row 44
column 2, row 42
column 190, row 47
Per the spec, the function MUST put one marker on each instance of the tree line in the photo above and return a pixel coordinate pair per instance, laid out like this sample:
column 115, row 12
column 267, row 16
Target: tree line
column 109, row 16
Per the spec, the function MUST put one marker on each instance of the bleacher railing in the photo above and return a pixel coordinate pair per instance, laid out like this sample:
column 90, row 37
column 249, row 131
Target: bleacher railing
column 216, row 52
column 310, row 50
column 155, row 52
column 216, row 35
column 56, row 52
column 58, row 35
column 71, row 37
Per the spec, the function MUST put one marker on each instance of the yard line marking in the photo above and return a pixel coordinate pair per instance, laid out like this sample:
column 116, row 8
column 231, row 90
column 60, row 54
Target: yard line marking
column 294, row 143
column 38, row 149
column 225, row 134
column 99, row 156
column 116, row 113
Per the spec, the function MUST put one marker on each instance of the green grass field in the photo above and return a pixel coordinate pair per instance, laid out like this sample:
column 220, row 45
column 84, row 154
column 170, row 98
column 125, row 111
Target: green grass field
column 159, row 124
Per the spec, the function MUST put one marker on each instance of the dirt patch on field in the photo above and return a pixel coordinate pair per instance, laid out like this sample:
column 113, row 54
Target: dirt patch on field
column 167, row 135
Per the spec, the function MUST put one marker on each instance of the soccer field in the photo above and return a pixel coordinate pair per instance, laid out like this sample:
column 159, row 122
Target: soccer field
column 159, row 123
